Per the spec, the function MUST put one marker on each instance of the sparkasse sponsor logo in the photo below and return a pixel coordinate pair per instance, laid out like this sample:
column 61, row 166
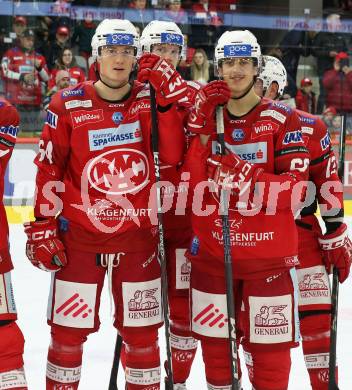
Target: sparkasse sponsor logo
column 82, row 117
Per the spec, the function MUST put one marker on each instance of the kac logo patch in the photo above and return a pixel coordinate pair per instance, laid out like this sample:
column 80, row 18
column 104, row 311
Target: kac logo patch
column 238, row 135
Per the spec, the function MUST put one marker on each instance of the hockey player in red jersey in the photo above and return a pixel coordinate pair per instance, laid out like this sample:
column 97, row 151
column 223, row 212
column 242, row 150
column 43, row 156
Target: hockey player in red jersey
column 11, row 339
column 95, row 167
column 265, row 151
column 165, row 40
column 317, row 252
column 23, row 71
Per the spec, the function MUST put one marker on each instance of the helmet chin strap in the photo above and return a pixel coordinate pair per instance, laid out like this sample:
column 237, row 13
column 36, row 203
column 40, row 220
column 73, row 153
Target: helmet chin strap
column 245, row 93
column 111, row 86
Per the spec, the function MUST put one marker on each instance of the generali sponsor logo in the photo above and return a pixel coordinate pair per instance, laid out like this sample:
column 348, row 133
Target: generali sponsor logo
column 313, row 285
column 271, row 320
column 81, row 117
column 263, row 128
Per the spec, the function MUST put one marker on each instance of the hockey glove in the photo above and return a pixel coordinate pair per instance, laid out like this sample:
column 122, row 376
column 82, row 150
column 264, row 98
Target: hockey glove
column 232, row 173
column 201, row 119
column 44, row 249
column 337, row 251
column 167, row 82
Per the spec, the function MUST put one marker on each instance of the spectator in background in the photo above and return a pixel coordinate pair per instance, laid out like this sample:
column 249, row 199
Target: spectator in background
column 328, row 116
column 201, row 70
column 83, row 33
column 24, row 71
column 175, row 13
column 67, row 61
column 338, row 84
column 62, row 80
column 207, row 27
column 19, row 25
column 296, row 43
column 305, row 98
column 326, row 45
column 62, row 36
column 139, row 6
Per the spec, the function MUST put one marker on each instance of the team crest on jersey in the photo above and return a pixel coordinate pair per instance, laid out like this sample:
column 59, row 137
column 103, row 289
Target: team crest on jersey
column 117, row 117
column 293, row 137
column 81, row 117
column 119, row 171
column 325, row 142
column 238, row 135
column 263, row 128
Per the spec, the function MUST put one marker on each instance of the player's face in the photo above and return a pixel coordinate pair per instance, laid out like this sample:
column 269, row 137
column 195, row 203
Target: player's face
column 116, row 63
column 64, row 83
column 258, row 87
column 238, row 73
column 168, row 52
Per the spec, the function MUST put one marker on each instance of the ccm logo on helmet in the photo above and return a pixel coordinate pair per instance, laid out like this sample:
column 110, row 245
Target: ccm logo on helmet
column 45, row 234
column 237, row 50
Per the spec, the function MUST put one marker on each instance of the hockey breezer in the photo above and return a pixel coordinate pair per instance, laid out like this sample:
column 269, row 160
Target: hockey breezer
column 227, row 257
column 335, row 277
column 162, row 259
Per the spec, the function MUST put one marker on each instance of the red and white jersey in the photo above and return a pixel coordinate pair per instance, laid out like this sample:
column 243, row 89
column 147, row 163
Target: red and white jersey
column 17, row 62
column 322, row 167
column 9, row 121
column 263, row 239
column 178, row 188
column 76, row 76
column 101, row 151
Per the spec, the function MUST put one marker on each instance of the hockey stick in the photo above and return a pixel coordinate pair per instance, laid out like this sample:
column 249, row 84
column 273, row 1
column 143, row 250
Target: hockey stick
column 115, row 363
column 162, row 257
column 230, row 301
column 335, row 278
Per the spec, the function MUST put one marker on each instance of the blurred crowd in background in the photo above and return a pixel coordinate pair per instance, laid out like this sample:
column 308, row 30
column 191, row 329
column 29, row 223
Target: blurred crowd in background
column 41, row 54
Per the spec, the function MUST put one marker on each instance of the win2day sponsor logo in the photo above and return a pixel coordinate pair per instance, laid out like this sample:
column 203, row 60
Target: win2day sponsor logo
column 263, row 128
column 127, row 133
column 81, row 117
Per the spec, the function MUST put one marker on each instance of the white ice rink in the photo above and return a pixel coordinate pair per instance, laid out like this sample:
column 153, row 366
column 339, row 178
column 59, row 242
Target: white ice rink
column 31, row 287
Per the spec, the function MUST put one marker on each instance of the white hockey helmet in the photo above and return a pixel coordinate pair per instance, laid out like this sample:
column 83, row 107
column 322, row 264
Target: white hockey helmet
column 115, row 32
column 273, row 70
column 158, row 31
column 240, row 43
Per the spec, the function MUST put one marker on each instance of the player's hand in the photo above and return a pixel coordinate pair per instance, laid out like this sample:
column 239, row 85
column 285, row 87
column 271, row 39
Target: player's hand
column 167, row 82
column 232, row 173
column 44, row 249
column 214, row 94
column 337, row 251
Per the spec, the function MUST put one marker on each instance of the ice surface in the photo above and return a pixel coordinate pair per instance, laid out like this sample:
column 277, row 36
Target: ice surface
column 31, row 289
